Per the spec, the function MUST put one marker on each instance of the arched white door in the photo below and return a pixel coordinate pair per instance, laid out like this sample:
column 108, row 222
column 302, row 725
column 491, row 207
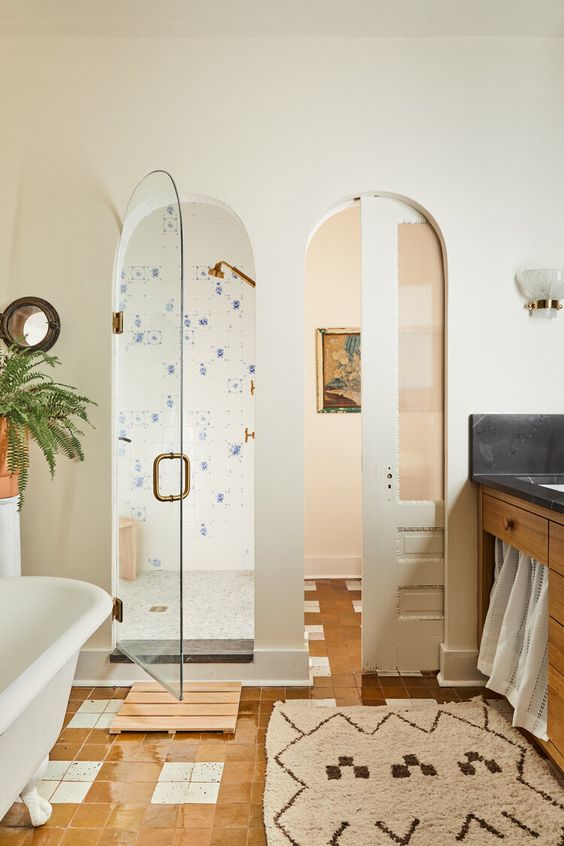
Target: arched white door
column 402, row 437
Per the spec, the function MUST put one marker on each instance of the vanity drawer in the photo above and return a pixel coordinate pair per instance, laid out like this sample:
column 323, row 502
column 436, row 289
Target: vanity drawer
column 518, row 527
column 556, row 547
column 556, row 645
column 556, row 596
column 556, row 708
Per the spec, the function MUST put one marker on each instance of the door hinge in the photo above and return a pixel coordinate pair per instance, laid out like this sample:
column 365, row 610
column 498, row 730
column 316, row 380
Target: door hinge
column 253, row 388
column 248, row 435
column 117, row 610
column 117, row 322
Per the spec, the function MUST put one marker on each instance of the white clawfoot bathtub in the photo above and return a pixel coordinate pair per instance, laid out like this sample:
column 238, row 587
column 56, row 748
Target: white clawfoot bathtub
column 44, row 622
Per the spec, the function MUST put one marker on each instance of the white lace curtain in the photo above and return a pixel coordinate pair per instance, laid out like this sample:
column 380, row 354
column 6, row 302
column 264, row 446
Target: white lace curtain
column 514, row 649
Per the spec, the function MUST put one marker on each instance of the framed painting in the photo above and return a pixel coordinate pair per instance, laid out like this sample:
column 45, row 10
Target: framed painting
column 338, row 370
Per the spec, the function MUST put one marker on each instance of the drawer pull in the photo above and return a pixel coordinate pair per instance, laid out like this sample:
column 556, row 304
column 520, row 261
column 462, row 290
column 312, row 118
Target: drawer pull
column 508, row 524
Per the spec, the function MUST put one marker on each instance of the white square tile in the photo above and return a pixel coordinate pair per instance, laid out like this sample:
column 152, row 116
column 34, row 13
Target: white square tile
column 202, row 792
column 113, row 706
column 69, row 791
column 314, row 629
column 319, row 661
column 170, row 793
column 83, row 721
column 388, row 673
column 207, row 772
column 176, row 772
column 82, row 771
column 56, row 770
column 310, row 586
column 399, row 703
column 417, row 702
column 93, row 706
column 47, row 788
column 330, row 702
column 105, row 720
column 312, row 606
column 357, row 605
column 324, row 672
column 353, row 584
column 315, row 636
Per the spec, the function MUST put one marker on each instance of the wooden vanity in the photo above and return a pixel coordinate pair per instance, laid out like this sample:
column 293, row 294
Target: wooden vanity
column 538, row 532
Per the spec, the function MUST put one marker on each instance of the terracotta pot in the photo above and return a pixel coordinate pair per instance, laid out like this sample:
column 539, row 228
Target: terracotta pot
column 8, row 481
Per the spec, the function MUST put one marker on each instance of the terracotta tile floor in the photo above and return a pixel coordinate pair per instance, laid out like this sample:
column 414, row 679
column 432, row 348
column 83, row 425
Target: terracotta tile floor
column 117, row 808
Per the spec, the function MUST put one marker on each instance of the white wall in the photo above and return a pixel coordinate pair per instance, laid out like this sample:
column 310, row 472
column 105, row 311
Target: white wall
column 281, row 131
column 332, row 473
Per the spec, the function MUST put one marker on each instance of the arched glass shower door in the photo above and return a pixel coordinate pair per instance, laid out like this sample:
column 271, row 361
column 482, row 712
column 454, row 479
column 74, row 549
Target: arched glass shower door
column 151, row 472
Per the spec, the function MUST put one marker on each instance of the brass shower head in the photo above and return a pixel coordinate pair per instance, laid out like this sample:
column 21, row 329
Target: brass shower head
column 218, row 272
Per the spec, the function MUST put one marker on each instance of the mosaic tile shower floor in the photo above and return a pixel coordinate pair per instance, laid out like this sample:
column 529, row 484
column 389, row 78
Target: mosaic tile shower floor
column 217, row 605
column 200, row 789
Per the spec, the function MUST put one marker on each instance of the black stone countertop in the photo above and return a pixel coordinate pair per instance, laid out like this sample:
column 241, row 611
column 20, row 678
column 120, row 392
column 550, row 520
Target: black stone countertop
column 518, row 453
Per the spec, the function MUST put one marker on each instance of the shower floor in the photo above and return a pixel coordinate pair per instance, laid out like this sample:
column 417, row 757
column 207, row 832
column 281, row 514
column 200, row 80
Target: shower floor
column 217, row 605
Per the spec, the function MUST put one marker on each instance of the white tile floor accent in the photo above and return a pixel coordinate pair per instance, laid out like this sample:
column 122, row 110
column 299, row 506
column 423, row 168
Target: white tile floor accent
column 412, row 674
column 207, row 772
column 319, row 666
column 312, row 606
column 96, row 713
column 353, row 584
column 176, row 772
column 314, row 633
column 388, row 672
column 68, row 781
column 184, row 783
column 357, row 605
column 317, row 702
column 399, row 703
column 310, row 586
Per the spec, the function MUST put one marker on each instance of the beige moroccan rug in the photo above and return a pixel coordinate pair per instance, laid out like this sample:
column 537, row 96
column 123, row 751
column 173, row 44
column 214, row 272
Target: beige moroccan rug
column 432, row 775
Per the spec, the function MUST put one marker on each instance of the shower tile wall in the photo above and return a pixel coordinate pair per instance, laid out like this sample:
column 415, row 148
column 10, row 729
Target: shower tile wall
column 219, row 365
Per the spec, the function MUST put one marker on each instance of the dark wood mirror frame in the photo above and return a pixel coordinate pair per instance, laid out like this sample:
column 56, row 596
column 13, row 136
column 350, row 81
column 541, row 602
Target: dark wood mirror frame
column 12, row 321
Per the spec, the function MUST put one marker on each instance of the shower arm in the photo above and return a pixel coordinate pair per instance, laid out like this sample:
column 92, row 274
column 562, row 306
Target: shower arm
column 239, row 273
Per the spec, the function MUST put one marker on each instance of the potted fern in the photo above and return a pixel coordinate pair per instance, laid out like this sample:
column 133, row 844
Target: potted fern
column 34, row 407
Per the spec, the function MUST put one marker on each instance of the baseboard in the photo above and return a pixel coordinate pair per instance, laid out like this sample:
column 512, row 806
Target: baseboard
column 459, row 668
column 270, row 668
column 332, row 567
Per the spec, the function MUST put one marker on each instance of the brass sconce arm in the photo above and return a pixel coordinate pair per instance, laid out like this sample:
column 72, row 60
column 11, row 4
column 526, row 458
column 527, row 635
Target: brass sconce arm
column 218, row 272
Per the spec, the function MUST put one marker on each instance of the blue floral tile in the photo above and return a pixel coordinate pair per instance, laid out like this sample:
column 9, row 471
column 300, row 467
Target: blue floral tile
column 203, row 530
column 138, row 482
column 235, row 450
column 139, row 514
column 204, row 466
column 155, row 272
column 137, row 321
column 169, row 306
column 187, row 321
column 154, row 336
column 171, row 368
column 138, row 273
column 154, row 417
column 188, row 337
column 154, row 563
column 170, row 224
column 203, row 371
column 138, row 337
column 234, row 386
column 137, row 418
column 169, row 401
column 236, row 305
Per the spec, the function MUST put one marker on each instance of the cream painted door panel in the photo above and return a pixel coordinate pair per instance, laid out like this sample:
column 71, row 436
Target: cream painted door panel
column 402, row 437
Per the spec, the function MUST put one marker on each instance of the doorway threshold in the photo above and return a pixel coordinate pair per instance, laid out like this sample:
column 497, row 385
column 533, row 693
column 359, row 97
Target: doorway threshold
column 225, row 651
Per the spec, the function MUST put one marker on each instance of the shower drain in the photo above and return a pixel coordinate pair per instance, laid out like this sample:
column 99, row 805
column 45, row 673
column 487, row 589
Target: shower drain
column 158, row 608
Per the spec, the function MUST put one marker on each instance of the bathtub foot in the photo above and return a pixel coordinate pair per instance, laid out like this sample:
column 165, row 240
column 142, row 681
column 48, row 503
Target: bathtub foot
column 39, row 808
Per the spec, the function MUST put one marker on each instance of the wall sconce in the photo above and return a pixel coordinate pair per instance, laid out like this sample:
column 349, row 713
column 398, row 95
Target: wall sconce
column 543, row 288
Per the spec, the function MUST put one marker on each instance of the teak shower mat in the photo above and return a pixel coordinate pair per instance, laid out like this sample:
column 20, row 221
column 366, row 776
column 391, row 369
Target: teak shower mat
column 206, row 706
column 432, row 775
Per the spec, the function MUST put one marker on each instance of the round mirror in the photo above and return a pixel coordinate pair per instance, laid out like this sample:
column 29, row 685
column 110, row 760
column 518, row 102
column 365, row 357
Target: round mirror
column 30, row 323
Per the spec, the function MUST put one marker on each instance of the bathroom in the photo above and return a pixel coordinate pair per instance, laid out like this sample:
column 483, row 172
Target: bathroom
column 276, row 117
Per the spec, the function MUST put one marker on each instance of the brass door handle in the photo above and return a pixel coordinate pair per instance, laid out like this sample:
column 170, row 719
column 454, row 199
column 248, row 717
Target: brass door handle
column 508, row 524
column 156, row 465
column 248, row 435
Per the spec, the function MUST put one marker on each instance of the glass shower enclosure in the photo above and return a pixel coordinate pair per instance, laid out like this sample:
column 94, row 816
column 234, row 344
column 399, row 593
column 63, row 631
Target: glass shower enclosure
column 183, row 410
column 151, row 469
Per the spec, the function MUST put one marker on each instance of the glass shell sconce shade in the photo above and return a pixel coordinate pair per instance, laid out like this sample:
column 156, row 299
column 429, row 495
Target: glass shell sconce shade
column 544, row 288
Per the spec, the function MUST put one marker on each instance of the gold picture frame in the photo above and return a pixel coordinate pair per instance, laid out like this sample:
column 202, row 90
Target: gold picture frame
column 338, row 371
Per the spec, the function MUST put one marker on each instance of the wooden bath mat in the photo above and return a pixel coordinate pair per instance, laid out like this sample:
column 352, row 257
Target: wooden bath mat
column 207, row 706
